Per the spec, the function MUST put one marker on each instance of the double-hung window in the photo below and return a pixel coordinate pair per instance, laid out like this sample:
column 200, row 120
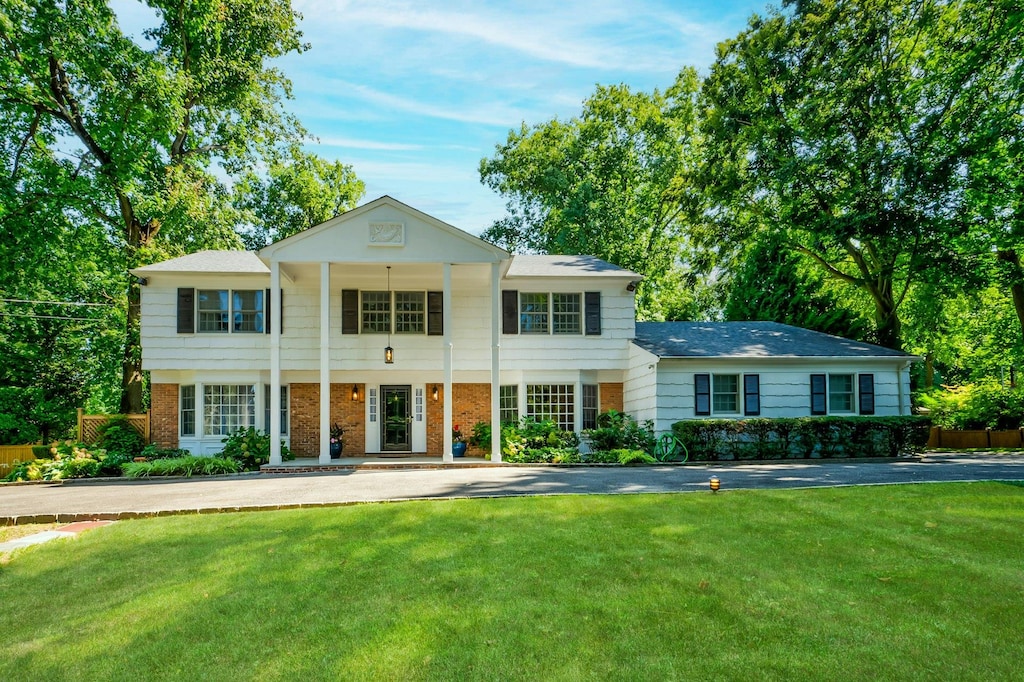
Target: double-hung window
column 228, row 310
column 591, row 405
column 725, row 394
column 376, row 309
column 566, row 314
column 533, row 313
column 410, row 312
column 508, row 402
column 284, row 409
column 840, row 394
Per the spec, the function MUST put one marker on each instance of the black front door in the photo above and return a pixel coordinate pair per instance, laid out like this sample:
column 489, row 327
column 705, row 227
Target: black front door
column 395, row 418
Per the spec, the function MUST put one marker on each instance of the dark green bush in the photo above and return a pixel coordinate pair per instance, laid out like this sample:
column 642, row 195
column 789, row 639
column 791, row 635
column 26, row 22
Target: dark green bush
column 182, row 466
column 530, row 434
column 117, row 435
column 68, row 460
column 251, row 448
column 481, row 436
column 802, row 438
column 617, row 430
column 545, row 455
column 153, row 451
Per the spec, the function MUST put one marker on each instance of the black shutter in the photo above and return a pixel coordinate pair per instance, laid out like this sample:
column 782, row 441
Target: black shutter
column 818, row 394
column 592, row 307
column 867, row 393
column 702, row 394
column 350, row 311
column 186, row 311
column 509, row 312
column 751, row 394
column 435, row 313
column 267, row 307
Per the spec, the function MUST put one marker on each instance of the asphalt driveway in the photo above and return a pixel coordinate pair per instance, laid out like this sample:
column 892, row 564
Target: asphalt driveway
column 80, row 500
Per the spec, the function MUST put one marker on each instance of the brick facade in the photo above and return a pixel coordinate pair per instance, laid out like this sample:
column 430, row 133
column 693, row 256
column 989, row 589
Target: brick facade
column 163, row 400
column 305, row 418
column 610, row 397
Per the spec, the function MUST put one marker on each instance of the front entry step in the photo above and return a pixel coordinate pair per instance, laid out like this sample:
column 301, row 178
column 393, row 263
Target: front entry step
column 312, row 466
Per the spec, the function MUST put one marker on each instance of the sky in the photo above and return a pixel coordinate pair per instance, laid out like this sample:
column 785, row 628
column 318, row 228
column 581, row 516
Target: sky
column 414, row 93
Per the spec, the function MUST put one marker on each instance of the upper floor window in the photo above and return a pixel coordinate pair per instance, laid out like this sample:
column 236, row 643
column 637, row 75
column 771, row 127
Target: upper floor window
column 231, row 310
column 567, row 314
column 528, row 312
column 533, row 313
column 399, row 312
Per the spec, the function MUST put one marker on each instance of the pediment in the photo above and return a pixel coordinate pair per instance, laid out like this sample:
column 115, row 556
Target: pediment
column 383, row 231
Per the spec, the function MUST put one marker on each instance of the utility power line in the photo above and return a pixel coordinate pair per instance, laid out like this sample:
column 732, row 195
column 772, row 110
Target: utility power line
column 50, row 317
column 21, row 300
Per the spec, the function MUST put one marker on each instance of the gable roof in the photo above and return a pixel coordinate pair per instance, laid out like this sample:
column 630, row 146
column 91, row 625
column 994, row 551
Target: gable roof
column 347, row 237
column 245, row 262
column 566, row 266
column 751, row 340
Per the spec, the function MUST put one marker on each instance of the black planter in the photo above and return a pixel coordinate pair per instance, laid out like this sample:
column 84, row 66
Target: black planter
column 336, row 450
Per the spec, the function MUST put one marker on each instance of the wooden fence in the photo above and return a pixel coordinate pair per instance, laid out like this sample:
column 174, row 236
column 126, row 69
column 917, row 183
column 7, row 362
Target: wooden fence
column 977, row 438
column 89, row 423
column 9, row 454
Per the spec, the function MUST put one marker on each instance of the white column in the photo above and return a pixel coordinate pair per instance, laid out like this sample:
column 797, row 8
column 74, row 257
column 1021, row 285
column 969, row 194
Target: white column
column 275, row 362
column 325, row 363
column 495, row 364
column 447, row 345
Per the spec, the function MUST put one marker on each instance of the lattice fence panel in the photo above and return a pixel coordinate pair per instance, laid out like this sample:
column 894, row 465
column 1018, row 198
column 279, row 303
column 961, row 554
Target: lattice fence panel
column 89, row 424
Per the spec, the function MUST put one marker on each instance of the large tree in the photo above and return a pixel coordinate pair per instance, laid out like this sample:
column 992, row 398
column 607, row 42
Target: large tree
column 611, row 182
column 122, row 137
column 842, row 127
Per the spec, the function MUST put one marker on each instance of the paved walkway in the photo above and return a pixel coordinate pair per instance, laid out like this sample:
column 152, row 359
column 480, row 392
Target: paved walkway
column 84, row 500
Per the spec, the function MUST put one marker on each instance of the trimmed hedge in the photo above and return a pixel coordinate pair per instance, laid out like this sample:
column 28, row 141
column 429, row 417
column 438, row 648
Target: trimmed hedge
column 802, row 437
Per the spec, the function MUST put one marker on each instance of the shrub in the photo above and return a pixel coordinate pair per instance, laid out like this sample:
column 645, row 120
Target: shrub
column 480, row 437
column 803, row 437
column 617, row 430
column 531, row 434
column 545, row 455
column 984, row 405
column 627, row 456
column 251, row 448
column 117, row 435
column 153, row 451
column 182, row 466
column 68, row 460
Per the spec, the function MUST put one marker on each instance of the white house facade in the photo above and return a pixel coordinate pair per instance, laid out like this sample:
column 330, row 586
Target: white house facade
column 398, row 327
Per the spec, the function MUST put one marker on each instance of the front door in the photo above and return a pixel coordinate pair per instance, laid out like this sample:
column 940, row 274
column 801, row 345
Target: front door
column 395, row 418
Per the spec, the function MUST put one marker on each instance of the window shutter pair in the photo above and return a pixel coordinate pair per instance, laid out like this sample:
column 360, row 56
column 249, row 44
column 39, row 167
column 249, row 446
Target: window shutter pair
column 865, row 391
column 187, row 310
column 510, row 312
column 350, row 312
column 751, row 394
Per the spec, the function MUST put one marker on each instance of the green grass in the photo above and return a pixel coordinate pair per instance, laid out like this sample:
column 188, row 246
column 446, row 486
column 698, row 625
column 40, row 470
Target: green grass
column 894, row 582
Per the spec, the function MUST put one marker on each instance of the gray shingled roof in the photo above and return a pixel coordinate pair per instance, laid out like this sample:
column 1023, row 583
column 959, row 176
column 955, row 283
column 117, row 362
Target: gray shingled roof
column 566, row 266
column 749, row 340
column 210, row 261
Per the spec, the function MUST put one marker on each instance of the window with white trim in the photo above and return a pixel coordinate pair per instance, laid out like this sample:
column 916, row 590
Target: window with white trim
column 841, row 397
column 376, row 309
column 725, row 393
column 410, row 312
column 187, row 410
column 227, row 408
column 231, row 310
column 590, row 406
column 533, row 313
column 508, row 404
column 566, row 314
column 284, row 409
column 554, row 402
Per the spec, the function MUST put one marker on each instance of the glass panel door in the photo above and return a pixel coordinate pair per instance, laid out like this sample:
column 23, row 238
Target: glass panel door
column 396, row 418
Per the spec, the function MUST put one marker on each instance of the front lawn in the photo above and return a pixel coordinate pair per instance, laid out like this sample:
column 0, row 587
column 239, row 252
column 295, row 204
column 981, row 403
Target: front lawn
column 898, row 582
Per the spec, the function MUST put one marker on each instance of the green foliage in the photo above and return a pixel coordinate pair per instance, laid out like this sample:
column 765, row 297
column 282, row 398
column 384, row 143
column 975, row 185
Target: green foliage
column 986, row 404
column 116, row 435
column 544, row 455
column 251, row 448
column 480, row 437
column 616, row 430
column 542, row 436
column 774, row 284
column 153, row 451
column 627, row 456
column 182, row 466
column 68, row 460
column 802, row 437
column 611, row 183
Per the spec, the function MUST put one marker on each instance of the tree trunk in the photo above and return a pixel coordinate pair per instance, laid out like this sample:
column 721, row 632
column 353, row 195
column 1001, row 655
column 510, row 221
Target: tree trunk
column 1016, row 281
column 888, row 326
column 131, row 362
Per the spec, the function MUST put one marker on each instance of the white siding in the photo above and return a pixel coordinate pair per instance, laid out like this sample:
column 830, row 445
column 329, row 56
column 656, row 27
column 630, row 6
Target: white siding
column 639, row 395
column 785, row 387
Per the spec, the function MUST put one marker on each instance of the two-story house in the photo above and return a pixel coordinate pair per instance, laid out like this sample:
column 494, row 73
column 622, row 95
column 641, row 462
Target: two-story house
column 399, row 327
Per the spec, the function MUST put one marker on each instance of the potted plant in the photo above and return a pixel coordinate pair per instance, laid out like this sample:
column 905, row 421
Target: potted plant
column 337, row 440
column 458, row 444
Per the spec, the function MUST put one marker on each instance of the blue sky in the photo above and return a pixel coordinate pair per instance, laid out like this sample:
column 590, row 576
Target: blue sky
column 413, row 94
